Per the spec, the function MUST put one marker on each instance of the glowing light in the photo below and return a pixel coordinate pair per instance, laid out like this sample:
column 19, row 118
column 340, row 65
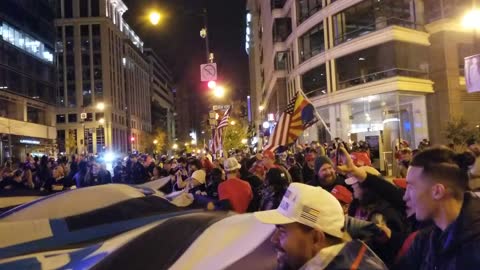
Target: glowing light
column 154, row 17
column 471, row 20
column 109, row 157
column 212, row 84
column 101, row 106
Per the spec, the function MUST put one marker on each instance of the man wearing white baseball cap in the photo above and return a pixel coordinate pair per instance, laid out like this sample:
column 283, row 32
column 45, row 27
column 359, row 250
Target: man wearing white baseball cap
column 310, row 233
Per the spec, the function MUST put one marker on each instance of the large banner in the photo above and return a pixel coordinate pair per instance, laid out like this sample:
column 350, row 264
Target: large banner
column 472, row 73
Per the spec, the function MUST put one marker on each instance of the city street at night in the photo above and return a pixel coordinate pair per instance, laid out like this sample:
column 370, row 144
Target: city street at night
column 240, row 134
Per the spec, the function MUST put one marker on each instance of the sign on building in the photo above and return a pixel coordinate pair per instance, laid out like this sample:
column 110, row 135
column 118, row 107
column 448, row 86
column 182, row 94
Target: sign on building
column 208, row 72
column 472, row 73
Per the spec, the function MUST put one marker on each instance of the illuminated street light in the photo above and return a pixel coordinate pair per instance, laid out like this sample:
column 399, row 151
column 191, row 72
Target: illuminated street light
column 155, row 142
column 154, row 17
column 266, row 125
column 244, row 141
column 101, row 121
column 101, row 106
column 232, row 122
column 261, row 108
column 471, row 20
column 219, row 91
column 175, row 146
column 212, row 84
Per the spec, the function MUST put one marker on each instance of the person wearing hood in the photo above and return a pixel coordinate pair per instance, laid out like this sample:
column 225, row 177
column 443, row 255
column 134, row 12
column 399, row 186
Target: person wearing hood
column 310, row 233
column 326, row 177
column 437, row 183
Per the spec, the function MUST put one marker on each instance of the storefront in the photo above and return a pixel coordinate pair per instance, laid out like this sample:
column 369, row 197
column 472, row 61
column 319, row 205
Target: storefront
column 22, row 145
column 381, row 120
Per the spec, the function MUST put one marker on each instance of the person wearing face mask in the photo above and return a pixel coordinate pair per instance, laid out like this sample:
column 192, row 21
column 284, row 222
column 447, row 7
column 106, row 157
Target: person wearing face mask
column 326, row 177
column 310, row 233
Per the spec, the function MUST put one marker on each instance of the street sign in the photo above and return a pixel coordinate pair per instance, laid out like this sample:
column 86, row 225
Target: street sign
column 208, row 72
column 220, row 107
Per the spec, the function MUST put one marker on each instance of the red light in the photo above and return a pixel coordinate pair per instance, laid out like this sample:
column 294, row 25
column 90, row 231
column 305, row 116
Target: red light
column 212, row 84
column 132, row 139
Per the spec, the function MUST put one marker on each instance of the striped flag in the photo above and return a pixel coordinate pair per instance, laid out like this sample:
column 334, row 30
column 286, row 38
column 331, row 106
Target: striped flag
column 280, row 133
column 299, row 115
column 217, row 140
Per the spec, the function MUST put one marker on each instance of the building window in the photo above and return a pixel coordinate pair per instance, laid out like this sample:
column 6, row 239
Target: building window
column 26, row 43
column 87, row 94
column 72, row 118
column 282, row 28
column 61, row 118
column 89, row 117
column 312, row 42
column 100, row 139
column 35, row 115
column 381, row 62
column 314, row 82
column 68, row 8
column 281, row 60
column 95, row 4
column 370, row 16
column 83, row 8
column 61, row 140
column 306, row 8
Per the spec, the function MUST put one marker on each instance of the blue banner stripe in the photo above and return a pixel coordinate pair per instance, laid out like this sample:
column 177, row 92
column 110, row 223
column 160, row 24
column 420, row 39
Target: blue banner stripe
column 62, row 237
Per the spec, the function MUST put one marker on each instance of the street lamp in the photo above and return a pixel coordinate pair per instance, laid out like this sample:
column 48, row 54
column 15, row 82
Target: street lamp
column 101, row 121
column 471, row 20
column 155, row 142
column 219, row 91
column 232, row 123
column 175, row 146
column 100, row 106
column 154, row 17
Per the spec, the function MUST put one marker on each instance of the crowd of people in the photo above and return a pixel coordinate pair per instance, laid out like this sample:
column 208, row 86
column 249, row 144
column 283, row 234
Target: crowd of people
column 330, row 206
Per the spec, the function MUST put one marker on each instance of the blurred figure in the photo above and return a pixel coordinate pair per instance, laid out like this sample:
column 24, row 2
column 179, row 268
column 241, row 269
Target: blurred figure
column 294, row 169
column 119, row 172
column 276, row 184
column 344, row 196
column 235, row 190
column 308, row 170
column 14, row 182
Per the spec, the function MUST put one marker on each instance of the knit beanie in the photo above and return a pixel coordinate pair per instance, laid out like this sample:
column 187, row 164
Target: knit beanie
column 320, row 161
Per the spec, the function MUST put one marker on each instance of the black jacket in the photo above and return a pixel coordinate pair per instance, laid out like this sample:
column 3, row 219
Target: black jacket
column 139, row 174
column 458, row 247
column 296, row 173
column 308, row 174
column 271, row 197
column 395, row 221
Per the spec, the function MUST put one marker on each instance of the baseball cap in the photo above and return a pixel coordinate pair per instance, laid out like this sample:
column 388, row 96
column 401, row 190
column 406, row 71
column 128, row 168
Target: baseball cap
column 268, row 154
column 342, row 194
column 311, row 206
column 361, row 159
column 231, row 164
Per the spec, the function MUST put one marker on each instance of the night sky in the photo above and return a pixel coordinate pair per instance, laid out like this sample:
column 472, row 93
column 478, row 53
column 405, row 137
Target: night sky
column 178, row 41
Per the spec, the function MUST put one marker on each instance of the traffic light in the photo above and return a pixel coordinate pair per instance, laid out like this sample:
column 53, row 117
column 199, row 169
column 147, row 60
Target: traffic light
column 212, row 84
column 132, row 139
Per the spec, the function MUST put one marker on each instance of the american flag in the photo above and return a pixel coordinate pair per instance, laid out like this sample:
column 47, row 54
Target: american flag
column 298, row 116
column 280, row 134
column 217, row 140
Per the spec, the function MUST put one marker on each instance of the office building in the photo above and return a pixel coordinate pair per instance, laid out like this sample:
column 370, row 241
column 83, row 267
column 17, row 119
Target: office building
column 163, row 103
column 27, row 79
column 103, row 99
column 375, row 70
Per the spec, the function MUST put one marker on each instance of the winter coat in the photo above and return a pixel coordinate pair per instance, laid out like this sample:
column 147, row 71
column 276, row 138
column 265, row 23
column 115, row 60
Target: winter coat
column 458, row 247
column 296, row 173
column 139, row 174
column 395, row 221
column 271, row 197
column 308, row 175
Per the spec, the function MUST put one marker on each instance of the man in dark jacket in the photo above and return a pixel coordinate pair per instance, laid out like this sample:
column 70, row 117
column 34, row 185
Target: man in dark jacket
column 437, row 183
column 139, row 172
column 325, row 175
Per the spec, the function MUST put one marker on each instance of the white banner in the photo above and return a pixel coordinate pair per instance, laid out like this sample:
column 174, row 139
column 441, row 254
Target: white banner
column 472, row 73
